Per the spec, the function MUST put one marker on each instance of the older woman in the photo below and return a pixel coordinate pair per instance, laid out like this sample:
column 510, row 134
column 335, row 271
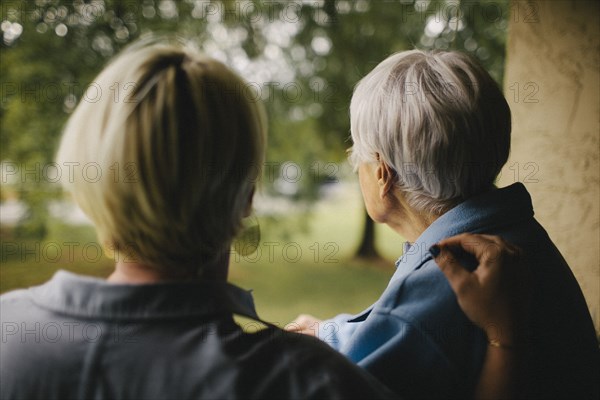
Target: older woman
column 431, row 132
column 178, row 154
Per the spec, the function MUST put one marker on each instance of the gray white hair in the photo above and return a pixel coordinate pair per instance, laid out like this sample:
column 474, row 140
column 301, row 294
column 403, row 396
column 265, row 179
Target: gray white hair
column 439, row 120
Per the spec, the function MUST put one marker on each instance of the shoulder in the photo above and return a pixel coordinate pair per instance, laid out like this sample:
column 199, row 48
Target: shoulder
column 422, row 292
column 15, row 305
column 299, row 350
column 420, row 311
column 15, row 296
column 28, row 348
column 312, row 369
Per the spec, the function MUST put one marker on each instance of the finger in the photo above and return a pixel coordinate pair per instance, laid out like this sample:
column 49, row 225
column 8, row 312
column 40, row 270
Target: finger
column 508, row 254
column 293, row 327
column 470, row 242
column 309, row 332
column 505, row 246
column 455, row 273
column 305, row 319
column 491, row 238
column 484, row 248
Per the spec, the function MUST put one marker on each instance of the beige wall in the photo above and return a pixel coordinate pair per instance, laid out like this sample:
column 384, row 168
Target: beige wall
column 552, row 85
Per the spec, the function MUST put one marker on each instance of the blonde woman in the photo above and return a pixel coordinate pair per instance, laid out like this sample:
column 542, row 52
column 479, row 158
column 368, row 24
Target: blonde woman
column 189, row 146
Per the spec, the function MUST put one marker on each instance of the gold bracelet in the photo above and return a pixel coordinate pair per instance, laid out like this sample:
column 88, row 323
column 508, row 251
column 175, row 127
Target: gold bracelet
column 496, row 343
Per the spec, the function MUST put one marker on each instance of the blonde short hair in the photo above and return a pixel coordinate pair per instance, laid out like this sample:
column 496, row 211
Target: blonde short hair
column 178, row 143
column 439, row 120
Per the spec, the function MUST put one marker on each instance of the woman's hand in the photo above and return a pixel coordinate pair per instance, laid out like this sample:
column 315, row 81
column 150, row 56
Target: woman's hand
column 492, row 296
column 305, row 324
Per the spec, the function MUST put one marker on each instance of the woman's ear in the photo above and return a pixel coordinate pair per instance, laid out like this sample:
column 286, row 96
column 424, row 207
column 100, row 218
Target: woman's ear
column 386, row 178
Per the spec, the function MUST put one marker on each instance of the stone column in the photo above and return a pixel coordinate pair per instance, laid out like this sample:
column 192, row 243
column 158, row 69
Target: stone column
column 553, row 88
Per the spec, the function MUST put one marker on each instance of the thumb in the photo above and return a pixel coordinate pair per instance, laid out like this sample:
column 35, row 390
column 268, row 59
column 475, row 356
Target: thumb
column 456, row 274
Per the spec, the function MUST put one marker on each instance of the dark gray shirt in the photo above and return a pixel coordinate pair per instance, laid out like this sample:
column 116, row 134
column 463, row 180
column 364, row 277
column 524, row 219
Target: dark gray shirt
column 81, row 337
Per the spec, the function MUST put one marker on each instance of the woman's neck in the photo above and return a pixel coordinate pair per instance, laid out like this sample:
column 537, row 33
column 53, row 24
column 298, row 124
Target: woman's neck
column 131, row 272
column 407, row 222
column 410, row 226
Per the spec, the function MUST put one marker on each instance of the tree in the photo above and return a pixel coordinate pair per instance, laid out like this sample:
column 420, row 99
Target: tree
column 346, row 39
column 304, row 58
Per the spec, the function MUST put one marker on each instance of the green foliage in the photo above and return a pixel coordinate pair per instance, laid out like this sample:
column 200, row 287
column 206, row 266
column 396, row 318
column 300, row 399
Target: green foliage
column 361, row 34
column 327, row 46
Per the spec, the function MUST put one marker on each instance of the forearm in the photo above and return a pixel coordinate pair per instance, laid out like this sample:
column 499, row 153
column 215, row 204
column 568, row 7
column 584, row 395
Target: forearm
column 498, row 375
column 499, row 372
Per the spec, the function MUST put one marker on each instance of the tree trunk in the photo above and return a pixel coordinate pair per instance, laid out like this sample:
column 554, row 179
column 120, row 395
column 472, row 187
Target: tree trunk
column 367, row 249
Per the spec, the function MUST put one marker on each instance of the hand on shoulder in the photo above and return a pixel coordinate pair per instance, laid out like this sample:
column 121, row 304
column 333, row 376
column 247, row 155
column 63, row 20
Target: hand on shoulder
column 492, row 295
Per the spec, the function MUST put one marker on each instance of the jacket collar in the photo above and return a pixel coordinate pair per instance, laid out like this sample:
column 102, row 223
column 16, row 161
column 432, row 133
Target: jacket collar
column 84, row 296
column 487, row 212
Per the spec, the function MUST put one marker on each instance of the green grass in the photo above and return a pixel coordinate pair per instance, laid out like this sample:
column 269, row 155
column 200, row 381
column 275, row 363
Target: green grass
column 283, row 291
column 27, row 262
column 321, row 282
column 321, row 278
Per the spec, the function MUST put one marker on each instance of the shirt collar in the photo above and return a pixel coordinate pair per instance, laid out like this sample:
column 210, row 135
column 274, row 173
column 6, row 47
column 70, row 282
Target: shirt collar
column 484, row 213
column 85, row 296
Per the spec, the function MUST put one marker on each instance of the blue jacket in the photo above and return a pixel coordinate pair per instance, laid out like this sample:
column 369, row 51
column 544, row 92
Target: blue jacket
column 417, row 340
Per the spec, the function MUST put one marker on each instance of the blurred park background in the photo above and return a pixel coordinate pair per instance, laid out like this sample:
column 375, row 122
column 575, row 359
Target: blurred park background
column 319, row 252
